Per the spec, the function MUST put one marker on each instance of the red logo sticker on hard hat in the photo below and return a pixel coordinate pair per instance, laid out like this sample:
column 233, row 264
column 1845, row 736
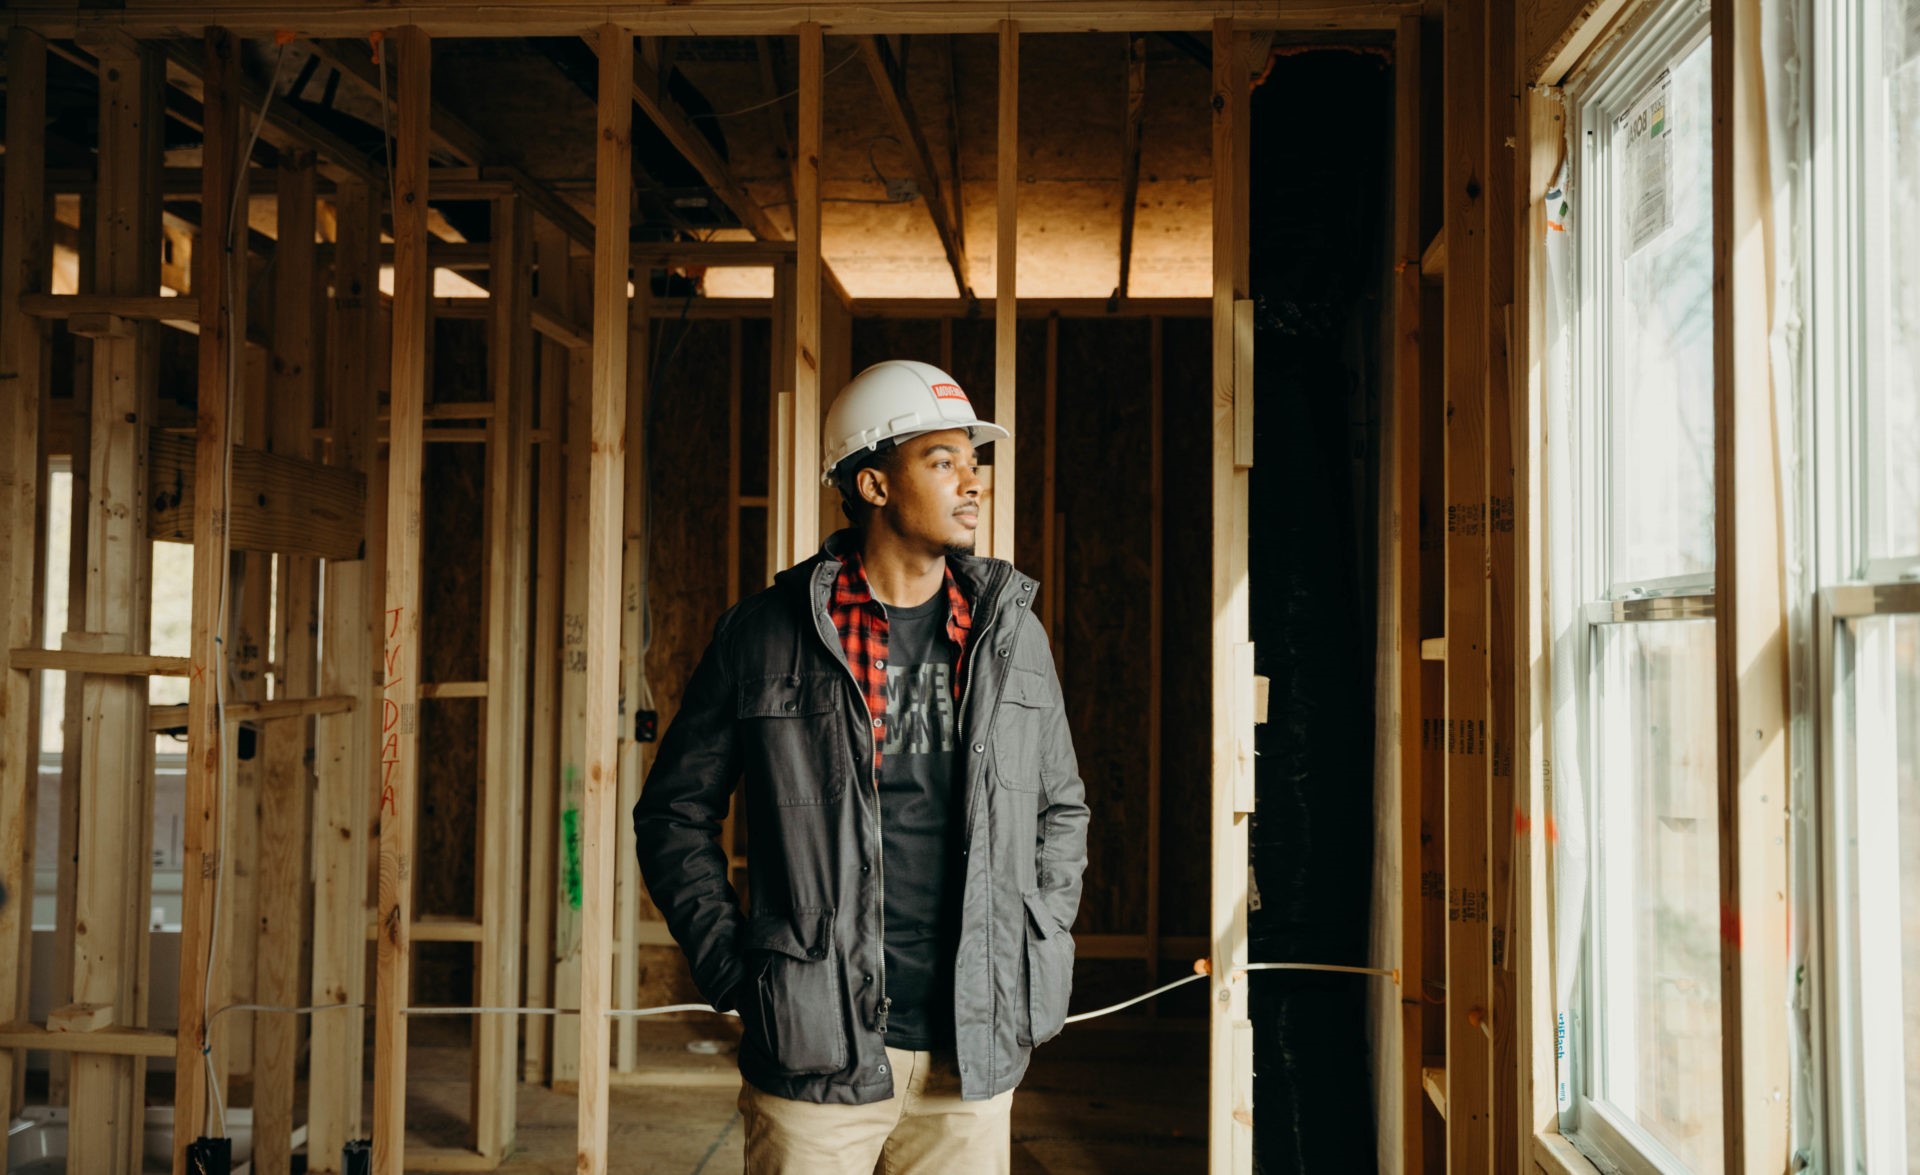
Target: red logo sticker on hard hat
column 949, row 392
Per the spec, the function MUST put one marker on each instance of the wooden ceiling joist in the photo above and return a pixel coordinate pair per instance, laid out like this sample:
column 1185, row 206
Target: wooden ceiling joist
column 286, row 128
column 650, row 93
column 1130, row 154
column 448, row 134
column 719, row 18
column 495, row 180
column 890, row 83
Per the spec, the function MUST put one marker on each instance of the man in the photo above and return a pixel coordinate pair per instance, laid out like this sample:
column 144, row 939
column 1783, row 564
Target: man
column 916, row 821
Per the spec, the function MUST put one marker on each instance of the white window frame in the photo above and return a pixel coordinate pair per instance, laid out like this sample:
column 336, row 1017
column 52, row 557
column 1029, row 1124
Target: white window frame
column 1842, row 264
column 1670, row 30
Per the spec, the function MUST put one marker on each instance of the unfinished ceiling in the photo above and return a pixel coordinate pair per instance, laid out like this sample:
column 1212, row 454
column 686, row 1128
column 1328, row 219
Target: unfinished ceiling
column 529, row 103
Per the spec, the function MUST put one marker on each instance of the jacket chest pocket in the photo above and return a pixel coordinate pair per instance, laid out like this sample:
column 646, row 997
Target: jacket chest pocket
column 1020, row 726
column 795, row 738
column 796, row 1012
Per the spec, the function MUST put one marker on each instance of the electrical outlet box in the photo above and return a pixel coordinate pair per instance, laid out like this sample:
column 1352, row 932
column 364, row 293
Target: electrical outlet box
column 646, row 725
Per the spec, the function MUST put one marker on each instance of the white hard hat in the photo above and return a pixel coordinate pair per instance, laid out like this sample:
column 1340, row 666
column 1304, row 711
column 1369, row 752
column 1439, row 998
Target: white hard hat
column 894, row 400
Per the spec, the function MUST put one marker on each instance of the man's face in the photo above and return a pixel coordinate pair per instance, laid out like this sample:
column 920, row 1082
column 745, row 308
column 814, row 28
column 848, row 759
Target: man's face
column 932, row 493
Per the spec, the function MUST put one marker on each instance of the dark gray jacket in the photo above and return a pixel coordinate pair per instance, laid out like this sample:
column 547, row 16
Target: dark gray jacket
column 773, row 699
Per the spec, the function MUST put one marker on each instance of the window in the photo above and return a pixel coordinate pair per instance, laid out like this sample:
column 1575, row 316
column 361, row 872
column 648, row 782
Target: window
column 1633, row 528
column 1865, row 384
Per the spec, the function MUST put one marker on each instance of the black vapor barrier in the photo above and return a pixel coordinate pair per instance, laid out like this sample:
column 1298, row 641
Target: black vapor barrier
column 1322, row 139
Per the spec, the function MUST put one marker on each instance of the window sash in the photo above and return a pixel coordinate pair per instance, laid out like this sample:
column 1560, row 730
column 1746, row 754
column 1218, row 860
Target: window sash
column 1598, row 1128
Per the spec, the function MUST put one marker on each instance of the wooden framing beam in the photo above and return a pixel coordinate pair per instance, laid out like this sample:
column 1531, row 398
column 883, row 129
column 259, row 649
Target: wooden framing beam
column 650, row 92
column 802, row 464
column 343, row 744
column 78, row 447
column 494, row 180
column 284, row 504
column 1403, row 431
column 1750, row 629
column 549, row 597
column 27, row 257
column 103, row 308
column 1230, row 1032
column 890, row 84
column 221, row 289
column 115, row 785
column 286, row 128
column 600, row 818
column 248, row 637
column 1502, row 89
column 1006, row 344
column 784, row 348
column 1542, row 150
column 956, row 194
column 566, row 959
column 734, row 18
column 400, row 741
column 629, row 892
column 1156, row 617
column 1466, row 317
column 1130, row 154
column 509, row 534
column 450, row 135
column 1028, row 308
column 285, row 785
column 779, row 128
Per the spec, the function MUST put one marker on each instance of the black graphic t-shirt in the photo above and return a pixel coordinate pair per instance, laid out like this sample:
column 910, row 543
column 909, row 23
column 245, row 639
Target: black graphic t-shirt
column 917, row 826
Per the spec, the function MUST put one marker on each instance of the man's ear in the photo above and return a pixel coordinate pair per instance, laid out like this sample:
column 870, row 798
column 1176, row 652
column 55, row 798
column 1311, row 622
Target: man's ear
column 872, row 484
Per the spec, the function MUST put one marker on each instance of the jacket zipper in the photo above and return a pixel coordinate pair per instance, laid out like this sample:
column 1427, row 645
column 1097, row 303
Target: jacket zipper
column 879, row 843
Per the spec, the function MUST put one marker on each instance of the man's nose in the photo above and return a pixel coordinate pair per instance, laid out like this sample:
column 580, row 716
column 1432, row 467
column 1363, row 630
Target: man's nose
column 970, row 482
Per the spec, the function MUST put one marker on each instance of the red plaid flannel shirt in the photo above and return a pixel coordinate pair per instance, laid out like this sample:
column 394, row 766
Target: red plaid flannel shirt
column 863, row 634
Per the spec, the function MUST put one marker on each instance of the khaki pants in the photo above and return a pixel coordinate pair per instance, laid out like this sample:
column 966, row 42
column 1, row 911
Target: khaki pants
column 925, row 1128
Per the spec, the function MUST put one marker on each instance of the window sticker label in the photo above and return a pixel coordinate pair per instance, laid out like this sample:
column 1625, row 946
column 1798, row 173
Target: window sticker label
column 1648, row 171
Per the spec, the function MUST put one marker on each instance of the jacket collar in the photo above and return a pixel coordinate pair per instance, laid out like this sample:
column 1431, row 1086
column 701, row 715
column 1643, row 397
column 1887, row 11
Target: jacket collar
column 979, row 577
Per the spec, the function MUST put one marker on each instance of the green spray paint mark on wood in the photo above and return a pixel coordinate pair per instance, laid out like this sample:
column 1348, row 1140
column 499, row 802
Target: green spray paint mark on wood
column 570, row 825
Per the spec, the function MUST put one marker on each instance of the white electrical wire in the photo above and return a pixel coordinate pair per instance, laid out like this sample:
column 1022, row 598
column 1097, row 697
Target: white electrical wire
column 1144, row 996
column 663, row 1009
column 216, row 1105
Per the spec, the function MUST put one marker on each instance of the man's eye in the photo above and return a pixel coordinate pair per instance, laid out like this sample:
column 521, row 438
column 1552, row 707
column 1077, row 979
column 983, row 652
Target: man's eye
column 945, row 464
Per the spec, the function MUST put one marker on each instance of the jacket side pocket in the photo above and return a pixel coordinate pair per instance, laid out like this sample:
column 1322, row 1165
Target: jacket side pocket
column 1049, row 974
column 799, row 1020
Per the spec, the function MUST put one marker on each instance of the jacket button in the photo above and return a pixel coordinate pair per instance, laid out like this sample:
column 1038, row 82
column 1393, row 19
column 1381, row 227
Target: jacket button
column 1026, row 587
column 1006, row 652
column 817, row 953
column 1021, row 602
column 883, row 1068
column 791, row 705
column 867, row 979
column 979, row 748
column 880, row 663
column 866, row 868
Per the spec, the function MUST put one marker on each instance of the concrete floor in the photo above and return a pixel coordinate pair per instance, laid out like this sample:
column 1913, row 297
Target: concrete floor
column 1128, row 1099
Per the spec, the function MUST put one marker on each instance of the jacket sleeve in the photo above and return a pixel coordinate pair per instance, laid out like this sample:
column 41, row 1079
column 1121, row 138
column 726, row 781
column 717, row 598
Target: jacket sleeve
column 1061, row 851
column 676, row 825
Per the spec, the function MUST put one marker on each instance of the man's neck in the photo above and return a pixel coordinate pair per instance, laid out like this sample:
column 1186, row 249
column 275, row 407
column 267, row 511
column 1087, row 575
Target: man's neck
column 900, row 576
